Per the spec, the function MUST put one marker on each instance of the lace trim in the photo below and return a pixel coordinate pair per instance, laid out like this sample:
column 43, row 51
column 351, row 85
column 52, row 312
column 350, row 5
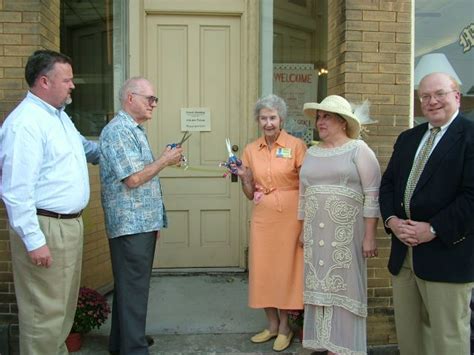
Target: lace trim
column 371, row 206
column 317, row 151
column 325, row 299
column 323, row 320
column 343, row 215
column 334, row 190
column 311, row 344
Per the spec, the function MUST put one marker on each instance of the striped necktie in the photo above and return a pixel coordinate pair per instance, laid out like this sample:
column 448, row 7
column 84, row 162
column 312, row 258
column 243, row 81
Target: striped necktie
column 418, row 166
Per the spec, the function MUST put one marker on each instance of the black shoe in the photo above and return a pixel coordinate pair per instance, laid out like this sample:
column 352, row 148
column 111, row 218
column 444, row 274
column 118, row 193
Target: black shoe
column 149, row 339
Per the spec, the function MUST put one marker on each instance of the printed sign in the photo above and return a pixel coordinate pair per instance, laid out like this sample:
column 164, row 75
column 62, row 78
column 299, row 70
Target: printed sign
column 296, row 84
column 195, row 119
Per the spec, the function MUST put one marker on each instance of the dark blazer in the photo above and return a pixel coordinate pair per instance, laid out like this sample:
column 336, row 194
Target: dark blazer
column 444, row 197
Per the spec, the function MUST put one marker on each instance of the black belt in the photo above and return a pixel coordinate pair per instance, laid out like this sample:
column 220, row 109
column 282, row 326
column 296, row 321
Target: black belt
column 47, row 213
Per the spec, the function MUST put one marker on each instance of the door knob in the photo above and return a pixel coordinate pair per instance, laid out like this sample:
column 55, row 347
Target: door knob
column 235, row 148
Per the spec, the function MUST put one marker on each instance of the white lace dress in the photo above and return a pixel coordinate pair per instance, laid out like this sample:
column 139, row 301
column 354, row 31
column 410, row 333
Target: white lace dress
column 338, row 188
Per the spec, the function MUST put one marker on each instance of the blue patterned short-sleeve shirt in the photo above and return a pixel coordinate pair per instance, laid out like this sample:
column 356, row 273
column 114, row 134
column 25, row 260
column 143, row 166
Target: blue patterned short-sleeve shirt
column 124, row 150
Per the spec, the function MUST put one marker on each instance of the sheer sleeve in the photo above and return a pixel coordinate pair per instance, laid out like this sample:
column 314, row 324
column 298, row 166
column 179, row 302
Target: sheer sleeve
column 302, row 190
column 369, row 172
column 300, row 151
column 301, row 202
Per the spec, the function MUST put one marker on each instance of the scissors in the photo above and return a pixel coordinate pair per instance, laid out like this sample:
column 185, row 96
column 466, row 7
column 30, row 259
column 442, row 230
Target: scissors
column 232, row 158
column 186, row 136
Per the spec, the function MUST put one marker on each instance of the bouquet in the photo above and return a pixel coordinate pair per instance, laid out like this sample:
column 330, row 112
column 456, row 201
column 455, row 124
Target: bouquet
column 92, row 311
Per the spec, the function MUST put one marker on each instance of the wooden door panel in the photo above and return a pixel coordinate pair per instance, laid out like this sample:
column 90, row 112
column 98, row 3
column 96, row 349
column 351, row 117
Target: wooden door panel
column 194, row 61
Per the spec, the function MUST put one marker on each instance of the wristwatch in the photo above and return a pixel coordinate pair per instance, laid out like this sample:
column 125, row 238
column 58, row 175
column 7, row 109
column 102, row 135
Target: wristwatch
column 432, row 230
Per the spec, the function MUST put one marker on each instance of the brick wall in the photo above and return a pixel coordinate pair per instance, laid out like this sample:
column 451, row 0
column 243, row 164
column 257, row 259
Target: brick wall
column 369, row 55
column 96, row 266
column 24, row 27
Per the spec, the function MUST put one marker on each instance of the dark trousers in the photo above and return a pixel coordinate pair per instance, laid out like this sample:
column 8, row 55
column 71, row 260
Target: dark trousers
column 132, row 262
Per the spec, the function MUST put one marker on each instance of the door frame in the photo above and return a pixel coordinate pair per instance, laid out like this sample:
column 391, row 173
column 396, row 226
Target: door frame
column 249, row 13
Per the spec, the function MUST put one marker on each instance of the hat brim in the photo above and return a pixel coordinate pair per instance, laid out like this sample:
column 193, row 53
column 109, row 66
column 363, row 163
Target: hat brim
column 353, row 125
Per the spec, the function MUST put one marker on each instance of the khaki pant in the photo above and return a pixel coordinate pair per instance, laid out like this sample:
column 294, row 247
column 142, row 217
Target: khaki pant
column 47, row 297
column 432, row 318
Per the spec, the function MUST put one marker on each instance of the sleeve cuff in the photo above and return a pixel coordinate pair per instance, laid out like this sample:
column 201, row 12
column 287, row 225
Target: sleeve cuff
column 385, row 223
column 34, row 241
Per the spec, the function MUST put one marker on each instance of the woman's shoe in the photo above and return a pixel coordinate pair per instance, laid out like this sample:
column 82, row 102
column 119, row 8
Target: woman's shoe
column 282, row 341
column 262, row 337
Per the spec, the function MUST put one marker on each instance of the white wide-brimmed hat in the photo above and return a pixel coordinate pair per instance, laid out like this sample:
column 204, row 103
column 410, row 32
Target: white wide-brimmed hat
column 336, row 104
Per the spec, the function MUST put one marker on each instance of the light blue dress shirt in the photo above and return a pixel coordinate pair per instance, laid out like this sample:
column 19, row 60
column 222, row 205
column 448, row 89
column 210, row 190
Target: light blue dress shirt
column 124, row 150
column 43, row 165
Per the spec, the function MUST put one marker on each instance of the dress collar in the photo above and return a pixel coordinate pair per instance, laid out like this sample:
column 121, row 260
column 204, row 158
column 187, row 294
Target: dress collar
column 281, row 141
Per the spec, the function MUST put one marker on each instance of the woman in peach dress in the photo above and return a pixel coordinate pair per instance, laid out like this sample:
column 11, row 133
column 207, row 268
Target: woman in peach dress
column 269, row 176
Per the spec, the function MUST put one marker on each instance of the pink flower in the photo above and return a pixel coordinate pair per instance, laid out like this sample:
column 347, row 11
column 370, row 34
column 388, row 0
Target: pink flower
column 258, row 194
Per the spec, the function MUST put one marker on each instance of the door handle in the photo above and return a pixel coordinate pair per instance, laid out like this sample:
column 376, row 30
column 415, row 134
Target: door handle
column 235, row 149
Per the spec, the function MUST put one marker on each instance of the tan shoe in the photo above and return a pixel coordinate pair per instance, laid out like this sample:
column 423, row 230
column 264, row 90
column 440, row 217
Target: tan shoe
column 282, row 341
column 262, row 337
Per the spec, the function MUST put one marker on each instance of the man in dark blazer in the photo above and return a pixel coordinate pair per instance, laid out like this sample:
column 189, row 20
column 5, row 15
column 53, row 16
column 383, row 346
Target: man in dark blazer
column 432, row 252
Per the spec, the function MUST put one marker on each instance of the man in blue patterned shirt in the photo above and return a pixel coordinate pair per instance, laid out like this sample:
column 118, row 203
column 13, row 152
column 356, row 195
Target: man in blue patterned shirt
column 134, row 211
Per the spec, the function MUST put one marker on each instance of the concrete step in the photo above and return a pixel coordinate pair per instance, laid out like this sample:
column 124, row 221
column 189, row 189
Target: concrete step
column 174, row 344
column 193, row 303
column 209, row 344
column 202, row 313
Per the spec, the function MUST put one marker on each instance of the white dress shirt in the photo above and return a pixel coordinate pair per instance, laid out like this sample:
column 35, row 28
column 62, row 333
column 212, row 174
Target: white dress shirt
column 438, row 137
column 43, row 165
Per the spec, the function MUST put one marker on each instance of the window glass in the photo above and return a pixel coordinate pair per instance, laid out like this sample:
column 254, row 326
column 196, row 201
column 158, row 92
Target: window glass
column 92, row 34
column 300, row 59
column 446, row 28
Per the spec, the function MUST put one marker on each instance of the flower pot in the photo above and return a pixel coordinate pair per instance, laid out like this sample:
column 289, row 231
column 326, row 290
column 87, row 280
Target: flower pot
column 299, row 334
column 74, row 342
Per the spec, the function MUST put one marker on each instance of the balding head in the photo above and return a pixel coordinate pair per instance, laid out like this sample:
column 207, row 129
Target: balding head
column 440, row 98
column 138, row 99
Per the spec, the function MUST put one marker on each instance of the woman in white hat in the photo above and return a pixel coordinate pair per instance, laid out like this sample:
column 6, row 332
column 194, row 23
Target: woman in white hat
column 339, row 182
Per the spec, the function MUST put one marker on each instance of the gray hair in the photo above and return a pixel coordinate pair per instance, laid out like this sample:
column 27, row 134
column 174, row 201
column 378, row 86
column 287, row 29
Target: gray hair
column 271, row 102
column 131, row 85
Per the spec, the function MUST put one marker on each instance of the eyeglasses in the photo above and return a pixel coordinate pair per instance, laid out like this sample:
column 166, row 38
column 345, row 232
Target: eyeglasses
column 438, row 96
column 151, row 99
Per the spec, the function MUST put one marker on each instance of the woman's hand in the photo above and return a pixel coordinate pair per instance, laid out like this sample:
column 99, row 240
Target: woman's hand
column 301, row 239
column 238, row 170
column 369, row 247
column 246, row 177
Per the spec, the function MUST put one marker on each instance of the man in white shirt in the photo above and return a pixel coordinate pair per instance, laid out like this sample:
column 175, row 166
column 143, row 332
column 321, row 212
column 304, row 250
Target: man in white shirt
column 45, row 186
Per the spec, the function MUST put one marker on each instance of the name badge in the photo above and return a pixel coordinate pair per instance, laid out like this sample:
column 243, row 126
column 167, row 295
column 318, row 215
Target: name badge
column 283, row 153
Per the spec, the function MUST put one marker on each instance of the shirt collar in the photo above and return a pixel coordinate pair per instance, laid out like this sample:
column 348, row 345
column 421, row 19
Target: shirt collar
column 38, row 101
column 282, row 140
column 129, row 119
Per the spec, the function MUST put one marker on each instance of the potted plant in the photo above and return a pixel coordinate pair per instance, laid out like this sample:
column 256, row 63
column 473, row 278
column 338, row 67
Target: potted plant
column 296, row 320
column 92, row 311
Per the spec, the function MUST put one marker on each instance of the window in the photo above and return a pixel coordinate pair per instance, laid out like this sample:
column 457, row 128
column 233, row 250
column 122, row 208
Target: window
column 447, row 28
column 93, row 35
column 294, row 57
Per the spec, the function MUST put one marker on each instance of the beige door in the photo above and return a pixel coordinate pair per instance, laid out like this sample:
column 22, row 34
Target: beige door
column 194, row 61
